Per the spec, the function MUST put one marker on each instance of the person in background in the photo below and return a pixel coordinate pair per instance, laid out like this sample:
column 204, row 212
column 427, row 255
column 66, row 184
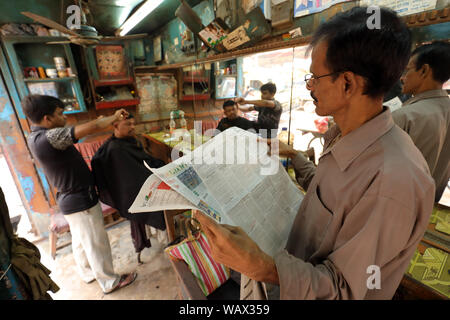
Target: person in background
column 52, row 144
column 368, row 201
column 426, row 116
column 231, row 118
column 269, row 110
column 119, row 172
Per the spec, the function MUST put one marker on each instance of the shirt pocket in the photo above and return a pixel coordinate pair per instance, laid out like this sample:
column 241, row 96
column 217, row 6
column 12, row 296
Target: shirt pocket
column 318, row 218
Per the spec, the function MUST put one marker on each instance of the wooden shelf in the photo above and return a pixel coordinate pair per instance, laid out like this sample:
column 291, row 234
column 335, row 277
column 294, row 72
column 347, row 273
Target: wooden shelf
column 116, row 103
column 197, row 79
column 116, row 82
column 49, row 79
column 195, row 97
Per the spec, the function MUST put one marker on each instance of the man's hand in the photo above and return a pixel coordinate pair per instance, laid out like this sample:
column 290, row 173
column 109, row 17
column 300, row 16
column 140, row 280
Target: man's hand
column 121, row 114
column 240, row 100
column 232, row 247
column 281, row 149
column 99, row 124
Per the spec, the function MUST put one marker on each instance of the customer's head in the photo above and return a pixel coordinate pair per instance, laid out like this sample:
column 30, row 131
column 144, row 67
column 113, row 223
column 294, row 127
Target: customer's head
column 268, row 91
column 428, row 67
column 230, row 110
column 125, row 128
column 351, row 61
column 46, row 111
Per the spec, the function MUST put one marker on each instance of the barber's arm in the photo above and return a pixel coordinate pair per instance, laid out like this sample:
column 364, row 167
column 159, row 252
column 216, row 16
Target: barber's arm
column 258, row 103
column 98, row 125
column 241, row 101
column 63, row 137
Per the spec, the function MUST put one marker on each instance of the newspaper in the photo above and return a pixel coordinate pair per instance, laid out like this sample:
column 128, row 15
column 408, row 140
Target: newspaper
column 233, row 180
column 155, row 195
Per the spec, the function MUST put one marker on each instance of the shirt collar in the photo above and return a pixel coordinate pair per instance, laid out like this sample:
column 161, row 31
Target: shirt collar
column 36, row 128
column 349, row 147
column 426, row 95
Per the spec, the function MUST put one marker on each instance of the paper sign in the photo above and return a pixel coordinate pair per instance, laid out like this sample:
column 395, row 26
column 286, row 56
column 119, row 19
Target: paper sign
column 236, row 38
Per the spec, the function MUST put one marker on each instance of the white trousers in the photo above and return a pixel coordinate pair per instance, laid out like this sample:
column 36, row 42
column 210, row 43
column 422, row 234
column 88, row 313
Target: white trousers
column 91, row 248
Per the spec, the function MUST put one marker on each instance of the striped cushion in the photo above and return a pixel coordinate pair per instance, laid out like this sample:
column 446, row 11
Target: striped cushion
column 197, row 254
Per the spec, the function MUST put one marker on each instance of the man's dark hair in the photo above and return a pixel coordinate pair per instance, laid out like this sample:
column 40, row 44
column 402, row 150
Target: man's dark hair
column 37, row 106
column 271, row 87
column 379, row 55
column 437, row 56
column 228, row 103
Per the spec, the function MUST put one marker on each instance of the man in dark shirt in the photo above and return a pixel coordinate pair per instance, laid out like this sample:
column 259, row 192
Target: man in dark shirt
column 232, row 119
column 269, row 110
column 119, row 172
column 51, row 143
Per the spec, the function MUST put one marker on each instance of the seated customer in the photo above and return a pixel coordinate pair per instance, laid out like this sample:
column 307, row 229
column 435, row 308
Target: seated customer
column 232, row 119
column 119, row 171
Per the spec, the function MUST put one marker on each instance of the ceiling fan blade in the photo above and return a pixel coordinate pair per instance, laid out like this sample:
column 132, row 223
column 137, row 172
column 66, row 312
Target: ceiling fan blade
column 58, row 42
column 128, row 37
column 49, row 23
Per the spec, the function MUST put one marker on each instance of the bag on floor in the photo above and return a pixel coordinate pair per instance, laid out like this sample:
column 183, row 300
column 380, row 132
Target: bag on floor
column 196, row 252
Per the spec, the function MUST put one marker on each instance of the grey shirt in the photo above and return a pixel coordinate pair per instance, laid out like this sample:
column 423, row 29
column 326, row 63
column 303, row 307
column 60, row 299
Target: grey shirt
column 426, row 118
column 367, row 204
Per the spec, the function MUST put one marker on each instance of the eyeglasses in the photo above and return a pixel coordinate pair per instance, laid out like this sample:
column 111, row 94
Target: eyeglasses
column 310, row 77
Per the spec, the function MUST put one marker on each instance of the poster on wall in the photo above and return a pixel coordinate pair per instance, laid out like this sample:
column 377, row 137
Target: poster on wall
column 157, row 54
column 305, row 7
column 403, row 7
column 158, row 95
column 111, row 62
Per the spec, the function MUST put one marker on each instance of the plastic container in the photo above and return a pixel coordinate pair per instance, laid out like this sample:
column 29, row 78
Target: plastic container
column 60, row 63
column 172, row 125
column 283, row 136
column 51, row 73
column 183, row 123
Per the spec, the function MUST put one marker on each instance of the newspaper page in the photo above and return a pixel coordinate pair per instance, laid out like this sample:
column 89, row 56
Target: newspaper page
column 233, row 180
column 156, row 195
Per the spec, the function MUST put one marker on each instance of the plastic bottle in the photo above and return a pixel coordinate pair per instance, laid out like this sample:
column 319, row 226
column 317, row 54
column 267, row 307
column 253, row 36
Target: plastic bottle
column 172, row 124
column 284, row 137
column 183, row 123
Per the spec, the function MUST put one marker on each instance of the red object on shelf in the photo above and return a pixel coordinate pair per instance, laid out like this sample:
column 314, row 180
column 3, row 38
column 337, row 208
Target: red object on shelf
column 116, row 103
column 195, row 97
column 197, row 79
column 101, row 83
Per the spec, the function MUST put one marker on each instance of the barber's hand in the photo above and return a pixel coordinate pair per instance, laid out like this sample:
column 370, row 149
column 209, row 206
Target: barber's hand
column 240, row 100
column 121, row 114
column 232, row 247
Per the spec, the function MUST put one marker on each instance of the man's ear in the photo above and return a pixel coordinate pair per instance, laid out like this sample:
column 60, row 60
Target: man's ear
column 349, row 82
column 47, row 118
column 425, row 70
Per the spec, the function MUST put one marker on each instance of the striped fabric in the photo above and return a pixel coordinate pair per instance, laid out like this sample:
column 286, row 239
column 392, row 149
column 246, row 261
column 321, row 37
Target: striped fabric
column 197, row 254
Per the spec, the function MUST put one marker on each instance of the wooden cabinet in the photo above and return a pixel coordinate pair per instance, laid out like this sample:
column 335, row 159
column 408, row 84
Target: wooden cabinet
column 27, row 53
column 194, row 83
column 111, row 76
column 228, row 78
